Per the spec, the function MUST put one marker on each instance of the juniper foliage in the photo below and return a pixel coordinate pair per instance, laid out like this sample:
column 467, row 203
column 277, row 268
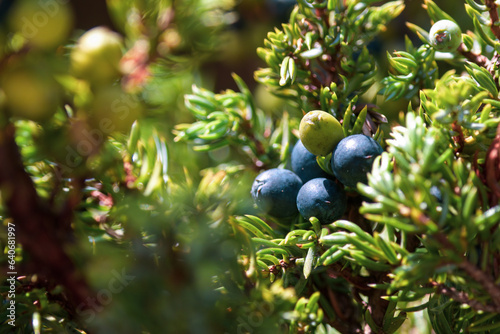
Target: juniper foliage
column 154, row 231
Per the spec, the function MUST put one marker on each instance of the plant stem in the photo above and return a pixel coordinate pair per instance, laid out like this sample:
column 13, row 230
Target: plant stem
column 492, row 169
column 478, row 59
column 492, row 6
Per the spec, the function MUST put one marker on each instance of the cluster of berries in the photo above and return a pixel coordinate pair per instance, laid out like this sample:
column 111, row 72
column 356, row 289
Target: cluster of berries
column 307, row 188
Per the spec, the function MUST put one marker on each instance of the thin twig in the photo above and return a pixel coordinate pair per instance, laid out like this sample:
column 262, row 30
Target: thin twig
column 459, row 139
column 486, row 282
column 492, row 169
column 476, row 58
column 475, row 273
column 463, row 298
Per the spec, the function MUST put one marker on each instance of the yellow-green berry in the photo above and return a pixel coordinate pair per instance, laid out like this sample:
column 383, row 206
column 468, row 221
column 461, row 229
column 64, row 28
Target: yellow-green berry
column 320, row 132
column 445, row 36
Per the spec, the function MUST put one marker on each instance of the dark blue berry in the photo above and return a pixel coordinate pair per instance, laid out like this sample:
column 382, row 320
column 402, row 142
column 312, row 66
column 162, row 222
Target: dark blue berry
column 304, row 163
column 322, row 198
column 275, row 192
column 353, row 158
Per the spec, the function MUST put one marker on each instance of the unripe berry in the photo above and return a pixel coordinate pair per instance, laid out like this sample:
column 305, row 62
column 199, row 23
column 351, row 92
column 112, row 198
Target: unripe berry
column 96, row 57
column 113, row 110
column 445, row 36
column 31, row 93
column 320, row 132
column 44, row 24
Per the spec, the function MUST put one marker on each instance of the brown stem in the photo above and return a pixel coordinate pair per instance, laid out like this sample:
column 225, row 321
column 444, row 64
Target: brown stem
column 259, row 146
column 459, row 138
column 492, row 169
column 475, row 273
column 486, row 282
column 482, row 61
column 492, row 9
column 463, row 298
column 332, row 297
column 347, row 320
column 375, row 305
column 359, row 282
column 476, row 58
column 36, row 224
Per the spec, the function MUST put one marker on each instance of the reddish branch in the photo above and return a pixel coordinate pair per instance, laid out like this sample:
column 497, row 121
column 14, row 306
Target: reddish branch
column 375, row 304
column 38, row 227
column 347, row 316
column 337, row 270
column 492, row 169
column 463, row 298
column 485, row 280
column 481, row 60
column 260, row 150
column 476, row 58
column 129, row 174
column 492, row 9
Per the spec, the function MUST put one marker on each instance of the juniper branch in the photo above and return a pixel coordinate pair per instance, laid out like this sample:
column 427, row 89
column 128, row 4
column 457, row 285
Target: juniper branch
column 492, row 9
